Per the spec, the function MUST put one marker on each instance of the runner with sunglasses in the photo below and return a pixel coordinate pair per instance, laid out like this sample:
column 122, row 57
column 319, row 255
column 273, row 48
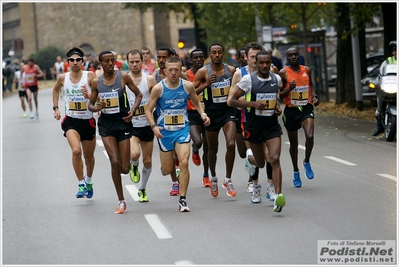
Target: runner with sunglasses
column 78, row 125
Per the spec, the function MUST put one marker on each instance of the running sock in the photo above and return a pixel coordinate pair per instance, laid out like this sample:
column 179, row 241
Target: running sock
column 134, row 162
column 144, row 177
column 214, row 178
column 87, row 179
column 249, row 152
column 82, row 182
column 227, row 180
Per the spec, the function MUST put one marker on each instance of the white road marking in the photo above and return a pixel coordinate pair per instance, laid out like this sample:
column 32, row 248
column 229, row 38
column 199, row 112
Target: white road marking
column 340, row 160
column 387, row 176
column 106, row 154
column 299, row 146
column 157, row 226
column 132, row 191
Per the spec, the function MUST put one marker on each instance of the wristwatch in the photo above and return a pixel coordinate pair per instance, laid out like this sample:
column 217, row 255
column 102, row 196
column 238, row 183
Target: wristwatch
column 55, row 107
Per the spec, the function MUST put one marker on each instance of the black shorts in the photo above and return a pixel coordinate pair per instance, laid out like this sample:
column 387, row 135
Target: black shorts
column 263, row 134
column 220, row 117
column 194, row 118
column 85, row 127
column 22, row 94
column 117, row 128
column 145, row 134
column 294, row 116
column 33, row 88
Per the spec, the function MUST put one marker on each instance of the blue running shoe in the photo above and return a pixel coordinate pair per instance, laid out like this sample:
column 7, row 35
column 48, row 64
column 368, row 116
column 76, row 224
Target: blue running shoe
column 82, row 191
column 89, row 190
column 297, row 180
column 308, row 170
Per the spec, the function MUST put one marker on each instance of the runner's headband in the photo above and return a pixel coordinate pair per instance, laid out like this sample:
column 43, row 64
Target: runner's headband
column 75, row 52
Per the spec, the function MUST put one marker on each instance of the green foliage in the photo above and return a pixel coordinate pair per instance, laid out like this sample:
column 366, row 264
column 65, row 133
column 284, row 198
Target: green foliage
column 46, row 57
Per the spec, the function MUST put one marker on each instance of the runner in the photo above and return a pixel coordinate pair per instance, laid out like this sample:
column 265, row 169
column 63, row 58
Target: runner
column 32, row 72
column 262, row 129
column 114, row 124
column 143, row 136
column 197, row 129
column 216, row 78
column 78, row 125
column 300, row 100
column 171, row 127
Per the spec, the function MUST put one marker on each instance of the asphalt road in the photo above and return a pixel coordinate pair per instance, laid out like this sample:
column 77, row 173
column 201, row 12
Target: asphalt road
column 352, row 197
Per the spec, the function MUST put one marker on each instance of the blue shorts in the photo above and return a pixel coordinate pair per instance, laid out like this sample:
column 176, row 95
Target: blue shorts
column 167, row 143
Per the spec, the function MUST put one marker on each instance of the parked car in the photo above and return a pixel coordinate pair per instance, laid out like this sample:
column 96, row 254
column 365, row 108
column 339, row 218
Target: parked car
column 367, row 91
column 374, row 60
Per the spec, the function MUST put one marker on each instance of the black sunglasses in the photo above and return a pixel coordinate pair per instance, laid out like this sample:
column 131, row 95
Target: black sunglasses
column 78, row 59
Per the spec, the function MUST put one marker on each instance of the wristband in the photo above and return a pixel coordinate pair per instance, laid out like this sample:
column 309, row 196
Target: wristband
column 204, row 114
column 152, row 126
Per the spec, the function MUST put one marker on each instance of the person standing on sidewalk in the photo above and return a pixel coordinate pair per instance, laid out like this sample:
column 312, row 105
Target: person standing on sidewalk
column 78, row 125
column 172, row 127
column 300, row 100
column 115, row 123
column 142, row 141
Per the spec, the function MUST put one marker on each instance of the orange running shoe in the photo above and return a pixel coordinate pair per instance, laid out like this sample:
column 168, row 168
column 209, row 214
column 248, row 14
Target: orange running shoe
column 206, row 182
column 213, row 189
column 231, row 192
column 196, row 158
column 121, row 209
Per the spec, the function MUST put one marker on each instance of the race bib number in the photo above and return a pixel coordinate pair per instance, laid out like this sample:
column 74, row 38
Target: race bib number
column 140, row 111
column 299, row 96
column 201, row 99
column 77, row 103
column 29, row 78
column 174, row 119
column 220, row 91
column 269, row 100
column 111, row 102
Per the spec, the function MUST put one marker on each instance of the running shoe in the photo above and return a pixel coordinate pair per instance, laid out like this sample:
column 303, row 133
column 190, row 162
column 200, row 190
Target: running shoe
column 249, row 167
column 90, row 191
column 37, row 115
column 213, row 189
column 32, row 116
column 297, row 180
column 143, row 197
column 196, row 158
column 175, row 190
column 25, row 114
column 256, row 198
column 183, row 206
column 134, row 173
column 270, row 192
column 206, row 182
column 82, row 191
column 279, row 203
column 121, row 209
column 308, row 170
column 250, row 187
column 231, row 192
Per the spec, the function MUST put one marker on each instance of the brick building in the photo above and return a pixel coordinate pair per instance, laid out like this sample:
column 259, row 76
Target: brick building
column 29, row 27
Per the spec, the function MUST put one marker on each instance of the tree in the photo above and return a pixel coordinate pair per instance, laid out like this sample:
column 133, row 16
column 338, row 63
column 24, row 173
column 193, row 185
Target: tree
column 46, row 57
